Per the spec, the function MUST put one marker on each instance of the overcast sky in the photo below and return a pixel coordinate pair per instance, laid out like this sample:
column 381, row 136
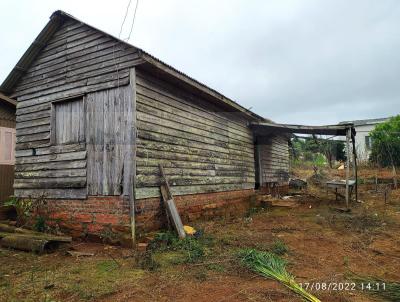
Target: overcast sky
column 309, row 62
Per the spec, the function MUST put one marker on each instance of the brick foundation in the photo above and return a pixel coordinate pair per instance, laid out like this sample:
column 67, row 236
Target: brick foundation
column 107, row 218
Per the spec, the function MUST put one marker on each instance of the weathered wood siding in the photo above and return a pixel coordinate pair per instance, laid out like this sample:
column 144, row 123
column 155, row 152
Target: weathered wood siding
column 110, row 121
column 202, row 148
column 76, row 61
column 7, row 115
column 274, row 159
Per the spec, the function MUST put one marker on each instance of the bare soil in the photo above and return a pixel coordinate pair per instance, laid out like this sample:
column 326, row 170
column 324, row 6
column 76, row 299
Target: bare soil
column 324, row 245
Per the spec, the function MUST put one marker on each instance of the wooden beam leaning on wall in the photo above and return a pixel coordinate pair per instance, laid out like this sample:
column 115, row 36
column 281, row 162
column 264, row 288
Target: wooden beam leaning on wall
column 170, row 207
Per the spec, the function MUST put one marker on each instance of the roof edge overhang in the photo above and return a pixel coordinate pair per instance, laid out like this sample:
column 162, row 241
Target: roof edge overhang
column 264, row 128
column 8, row 100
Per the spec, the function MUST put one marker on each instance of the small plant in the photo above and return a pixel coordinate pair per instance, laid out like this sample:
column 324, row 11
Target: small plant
column 272, row 266
column 279, row 248
column 40, row 224
column 27, row 208
column 192, row 247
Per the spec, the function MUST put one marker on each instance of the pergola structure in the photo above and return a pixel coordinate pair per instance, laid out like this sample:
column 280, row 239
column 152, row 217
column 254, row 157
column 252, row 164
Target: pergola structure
column 347, row 130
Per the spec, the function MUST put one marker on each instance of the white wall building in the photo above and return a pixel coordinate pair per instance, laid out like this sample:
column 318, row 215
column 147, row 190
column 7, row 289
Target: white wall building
column 363, row 138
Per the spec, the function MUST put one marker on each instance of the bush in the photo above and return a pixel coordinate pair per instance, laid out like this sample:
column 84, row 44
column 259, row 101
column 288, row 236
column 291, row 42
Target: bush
column 385, row 149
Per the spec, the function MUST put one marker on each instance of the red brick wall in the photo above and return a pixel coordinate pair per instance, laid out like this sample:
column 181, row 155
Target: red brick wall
column 107, row 218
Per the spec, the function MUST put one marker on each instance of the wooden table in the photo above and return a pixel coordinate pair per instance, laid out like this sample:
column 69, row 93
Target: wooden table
column 336, row 184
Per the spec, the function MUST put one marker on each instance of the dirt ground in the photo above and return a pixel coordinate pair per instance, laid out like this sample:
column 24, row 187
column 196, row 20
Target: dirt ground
column 324, row 245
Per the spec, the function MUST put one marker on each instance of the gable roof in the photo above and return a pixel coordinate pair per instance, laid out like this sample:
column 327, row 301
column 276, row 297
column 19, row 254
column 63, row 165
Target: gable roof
column 150, row 62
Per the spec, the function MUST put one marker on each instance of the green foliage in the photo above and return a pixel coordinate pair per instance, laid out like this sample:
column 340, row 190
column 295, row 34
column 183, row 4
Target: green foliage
column 386, row 143
column 279, row 248
column 40, row 224
column 318, row 151
column 193, row 248
column 272, row 266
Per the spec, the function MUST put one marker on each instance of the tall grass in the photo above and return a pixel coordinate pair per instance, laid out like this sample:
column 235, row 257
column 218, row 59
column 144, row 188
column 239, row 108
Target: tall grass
column 273, row 267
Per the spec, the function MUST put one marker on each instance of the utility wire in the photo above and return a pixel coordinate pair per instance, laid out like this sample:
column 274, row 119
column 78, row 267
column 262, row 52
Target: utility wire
column 133, row 20
column 123, row 22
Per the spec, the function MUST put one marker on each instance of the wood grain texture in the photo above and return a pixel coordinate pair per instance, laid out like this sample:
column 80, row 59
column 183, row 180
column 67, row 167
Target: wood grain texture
column 109, row 118
column 274, row 159
column 77, row 60
column 201, row 147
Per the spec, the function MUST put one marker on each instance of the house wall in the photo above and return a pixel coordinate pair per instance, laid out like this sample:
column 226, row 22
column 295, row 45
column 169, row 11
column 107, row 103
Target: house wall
column 361, row 132
column 207, row 153
column 273, row 159
column 76, row 61
column 202, row 148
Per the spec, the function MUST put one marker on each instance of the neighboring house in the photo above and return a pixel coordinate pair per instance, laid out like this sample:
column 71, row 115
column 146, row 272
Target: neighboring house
column 363, row 140
column 7, row 146
column 95, row 118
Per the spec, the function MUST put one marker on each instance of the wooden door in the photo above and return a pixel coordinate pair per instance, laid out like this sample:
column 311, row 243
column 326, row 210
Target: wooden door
column 109, row 140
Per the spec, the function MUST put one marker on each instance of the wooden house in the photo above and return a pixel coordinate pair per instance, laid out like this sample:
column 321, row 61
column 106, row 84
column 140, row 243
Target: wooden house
column 95, row 118
column 7, row 146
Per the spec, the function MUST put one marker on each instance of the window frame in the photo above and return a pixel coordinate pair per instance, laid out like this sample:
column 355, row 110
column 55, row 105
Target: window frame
column 81, row 98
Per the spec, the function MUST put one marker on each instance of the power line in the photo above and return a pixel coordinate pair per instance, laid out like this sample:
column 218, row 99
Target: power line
column 133, row 20
column 123, row 22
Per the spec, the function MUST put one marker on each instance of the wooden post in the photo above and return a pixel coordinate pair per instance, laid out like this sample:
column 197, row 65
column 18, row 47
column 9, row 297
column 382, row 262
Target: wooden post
column 348, row 134
column 132, row 156
column 355, row 167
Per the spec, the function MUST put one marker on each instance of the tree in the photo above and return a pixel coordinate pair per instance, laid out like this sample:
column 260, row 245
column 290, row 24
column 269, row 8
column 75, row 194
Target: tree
column 385, row 149
column 308, row 149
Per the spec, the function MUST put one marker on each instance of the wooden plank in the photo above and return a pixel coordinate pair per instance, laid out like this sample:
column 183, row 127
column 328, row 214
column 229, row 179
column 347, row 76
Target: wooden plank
column 146, row 153
column 160, row 91
column 33, row 130
column 77, row 164
column 34, row 123
column 47, row 183
column 33, row 137
column 145, row 135
column 190, row 136
column 65, row 93
column 33, row 116
column 150, row 192
column 169, row 203
column 31, row 145
column 51, row 157
column 178, row 180
column 157, row 146
column 51, row 173
column 52, row 193
column 186, row 118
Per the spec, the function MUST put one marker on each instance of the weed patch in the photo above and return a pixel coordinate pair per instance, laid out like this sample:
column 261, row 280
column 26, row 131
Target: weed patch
column 279, row 248
column 192, row 249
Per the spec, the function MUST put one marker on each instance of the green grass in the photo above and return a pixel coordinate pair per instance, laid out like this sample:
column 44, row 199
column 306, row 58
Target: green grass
column 279, row 248
column 191, row 249
column 271, row 266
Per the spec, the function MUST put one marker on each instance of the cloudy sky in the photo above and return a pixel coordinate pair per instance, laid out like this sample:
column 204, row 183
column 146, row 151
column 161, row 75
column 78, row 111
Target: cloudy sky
column 310, row 62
